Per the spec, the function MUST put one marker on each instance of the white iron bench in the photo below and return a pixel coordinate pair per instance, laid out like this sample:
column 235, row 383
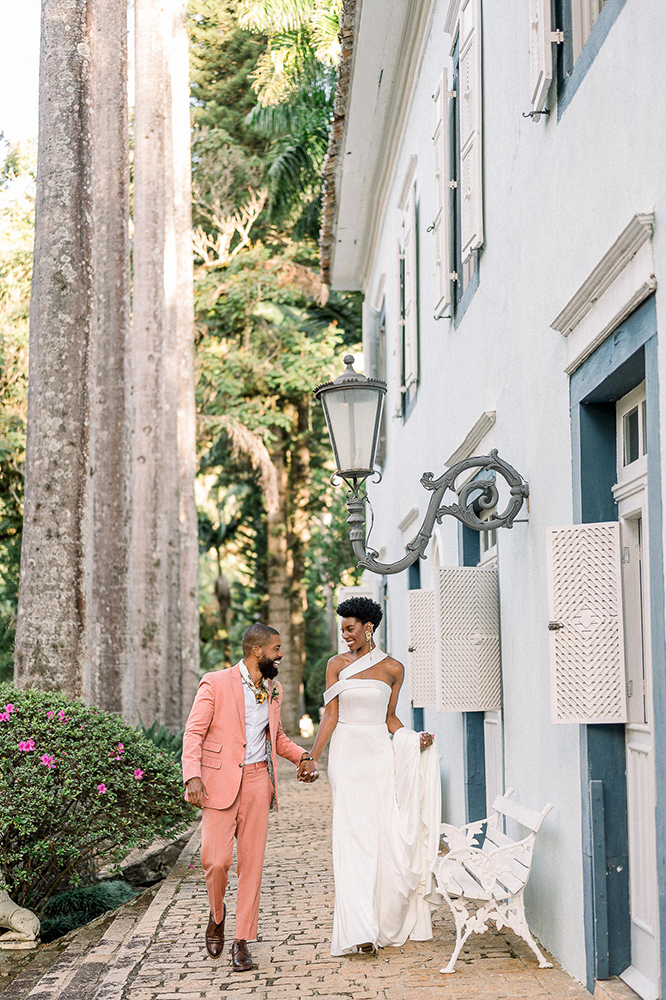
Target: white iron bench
column 493, row 875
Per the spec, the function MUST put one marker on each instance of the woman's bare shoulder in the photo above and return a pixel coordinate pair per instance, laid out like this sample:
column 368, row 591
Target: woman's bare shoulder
column 336, row 664
column 395, row 666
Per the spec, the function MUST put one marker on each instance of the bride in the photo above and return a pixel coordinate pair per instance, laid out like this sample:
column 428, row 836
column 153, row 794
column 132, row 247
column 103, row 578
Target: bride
column 386, row 795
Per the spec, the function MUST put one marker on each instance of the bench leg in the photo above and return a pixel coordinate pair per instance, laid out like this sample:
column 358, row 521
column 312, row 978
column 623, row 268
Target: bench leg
column 466, row 925
column 515, row 919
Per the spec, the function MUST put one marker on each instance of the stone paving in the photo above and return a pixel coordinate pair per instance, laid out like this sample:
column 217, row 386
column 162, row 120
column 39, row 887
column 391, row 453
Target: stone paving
column 292, row 956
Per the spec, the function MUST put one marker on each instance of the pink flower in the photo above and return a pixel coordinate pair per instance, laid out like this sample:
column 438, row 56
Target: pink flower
column 4, row 716
column 121, row 751
column 26, row 745
column 121, row 748
column 62, row 716
column 82, row 726
column 101, row 788
column 49, row 715
column 9, row 708
column 47, row 760
column 138, row 774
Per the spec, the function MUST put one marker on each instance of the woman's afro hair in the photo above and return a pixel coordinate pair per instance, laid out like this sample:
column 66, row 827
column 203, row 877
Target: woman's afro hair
column 361, row 608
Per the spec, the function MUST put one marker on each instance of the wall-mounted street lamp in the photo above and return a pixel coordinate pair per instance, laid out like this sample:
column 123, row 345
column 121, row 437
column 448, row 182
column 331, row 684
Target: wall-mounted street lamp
column 352, row 407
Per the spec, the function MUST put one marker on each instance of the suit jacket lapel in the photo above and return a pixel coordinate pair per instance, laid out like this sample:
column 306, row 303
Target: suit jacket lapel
column 272, row 712
column 237, row 685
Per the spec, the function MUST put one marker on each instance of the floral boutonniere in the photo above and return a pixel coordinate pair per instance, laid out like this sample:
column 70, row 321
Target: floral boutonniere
column 275, row 694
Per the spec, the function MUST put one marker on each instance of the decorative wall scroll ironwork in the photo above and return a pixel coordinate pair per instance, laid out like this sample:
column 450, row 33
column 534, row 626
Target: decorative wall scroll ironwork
column 475, row 496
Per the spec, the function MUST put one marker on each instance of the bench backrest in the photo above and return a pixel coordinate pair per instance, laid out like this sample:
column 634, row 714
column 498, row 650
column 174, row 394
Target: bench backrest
column 529, row 818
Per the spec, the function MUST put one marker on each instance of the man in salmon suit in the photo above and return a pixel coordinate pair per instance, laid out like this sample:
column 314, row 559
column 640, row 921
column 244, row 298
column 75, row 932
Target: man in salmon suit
column 230, row 746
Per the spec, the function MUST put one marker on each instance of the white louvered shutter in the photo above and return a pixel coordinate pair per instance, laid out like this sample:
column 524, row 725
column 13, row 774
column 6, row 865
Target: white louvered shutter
column 586, row 635
column 422, row 662
column 467, row 622
column 470, row 102
column 440, row 140
column 343, row 594
column 541, row 52
column 411, row 341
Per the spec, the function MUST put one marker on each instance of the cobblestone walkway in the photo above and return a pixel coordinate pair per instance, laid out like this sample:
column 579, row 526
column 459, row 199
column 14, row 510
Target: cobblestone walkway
column 292, row 957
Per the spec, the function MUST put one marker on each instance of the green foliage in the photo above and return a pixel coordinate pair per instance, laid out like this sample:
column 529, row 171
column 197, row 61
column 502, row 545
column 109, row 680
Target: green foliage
column 92, row 789
column 164, row 738
column 75, row 907
column 268, row 330
column 302, row 35
column 222, row 60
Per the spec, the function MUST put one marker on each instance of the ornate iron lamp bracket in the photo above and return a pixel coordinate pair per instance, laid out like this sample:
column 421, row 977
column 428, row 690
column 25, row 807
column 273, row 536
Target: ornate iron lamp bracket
column 468, row 498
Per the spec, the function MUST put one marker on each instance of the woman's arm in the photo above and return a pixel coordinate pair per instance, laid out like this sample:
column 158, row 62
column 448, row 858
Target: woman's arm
column 329, row 719
column 398, row 673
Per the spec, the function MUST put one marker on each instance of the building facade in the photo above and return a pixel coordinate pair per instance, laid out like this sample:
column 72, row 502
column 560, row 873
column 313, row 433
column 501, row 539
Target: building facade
column 495, row 187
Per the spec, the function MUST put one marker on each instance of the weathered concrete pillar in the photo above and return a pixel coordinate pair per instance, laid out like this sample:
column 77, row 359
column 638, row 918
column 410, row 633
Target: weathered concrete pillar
column 108, row 622
column 164, row 517
column 72, row 630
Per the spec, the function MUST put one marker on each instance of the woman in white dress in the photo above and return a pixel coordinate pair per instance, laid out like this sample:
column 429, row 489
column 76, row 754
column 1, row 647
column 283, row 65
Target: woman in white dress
column 386, row 795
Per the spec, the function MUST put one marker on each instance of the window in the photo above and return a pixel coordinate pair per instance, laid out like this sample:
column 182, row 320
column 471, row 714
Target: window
column 584, row 13
column 631, row 423
column 584, row 25
column 467, row 166
column 408, row 338
column 457, row 221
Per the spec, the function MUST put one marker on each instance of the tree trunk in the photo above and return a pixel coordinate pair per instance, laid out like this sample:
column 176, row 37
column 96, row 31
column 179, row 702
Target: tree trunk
column 71, row 632
column 108, row 622
column 188, row 526
column 279, row 585
column 297, row 539
column 164, row 516
column 149, row 492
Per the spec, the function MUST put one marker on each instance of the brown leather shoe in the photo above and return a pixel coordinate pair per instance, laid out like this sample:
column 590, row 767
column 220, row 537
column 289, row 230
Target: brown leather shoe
column 215, row 935
column 241, row 959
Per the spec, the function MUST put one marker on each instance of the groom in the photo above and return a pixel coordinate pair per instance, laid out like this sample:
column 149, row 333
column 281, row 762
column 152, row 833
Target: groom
column 231, row 740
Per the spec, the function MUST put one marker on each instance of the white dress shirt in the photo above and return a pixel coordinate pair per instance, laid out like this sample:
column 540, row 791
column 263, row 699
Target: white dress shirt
column 256, row 724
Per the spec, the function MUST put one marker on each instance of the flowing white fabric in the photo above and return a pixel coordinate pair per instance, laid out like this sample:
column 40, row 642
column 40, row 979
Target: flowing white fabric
column 386, row 817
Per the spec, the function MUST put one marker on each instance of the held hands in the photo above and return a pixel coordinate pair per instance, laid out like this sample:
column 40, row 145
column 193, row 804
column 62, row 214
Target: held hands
column 427, row 740
column 195, row 792
column 307, row 770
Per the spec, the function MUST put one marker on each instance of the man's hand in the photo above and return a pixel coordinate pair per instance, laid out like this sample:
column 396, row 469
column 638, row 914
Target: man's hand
column 195, row 792
column 307, row 771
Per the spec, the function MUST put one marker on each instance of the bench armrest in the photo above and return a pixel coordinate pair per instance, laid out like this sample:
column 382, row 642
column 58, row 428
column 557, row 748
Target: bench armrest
column 464, row 836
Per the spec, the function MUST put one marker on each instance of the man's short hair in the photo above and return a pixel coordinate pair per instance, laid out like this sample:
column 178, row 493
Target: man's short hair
column 257, row 635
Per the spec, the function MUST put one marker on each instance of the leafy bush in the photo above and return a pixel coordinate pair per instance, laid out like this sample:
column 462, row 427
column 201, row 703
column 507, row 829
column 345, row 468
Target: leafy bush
column 75, row 907
column 164, row 738
column 78, row 786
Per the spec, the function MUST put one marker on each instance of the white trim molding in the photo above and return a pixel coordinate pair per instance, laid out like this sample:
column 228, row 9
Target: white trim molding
column 623, row 278
column 408, row 519
column 452, row 13
column 485, row 422
column 410, row 174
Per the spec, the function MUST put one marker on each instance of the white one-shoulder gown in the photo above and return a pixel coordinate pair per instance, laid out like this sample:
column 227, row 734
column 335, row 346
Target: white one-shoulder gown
column 386, row 819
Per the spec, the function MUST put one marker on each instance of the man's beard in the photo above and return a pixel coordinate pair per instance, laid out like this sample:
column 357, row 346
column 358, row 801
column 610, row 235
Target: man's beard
column 267, row 668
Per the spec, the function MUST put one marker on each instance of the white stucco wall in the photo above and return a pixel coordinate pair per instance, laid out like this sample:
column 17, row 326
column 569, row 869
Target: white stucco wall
column 557, row 195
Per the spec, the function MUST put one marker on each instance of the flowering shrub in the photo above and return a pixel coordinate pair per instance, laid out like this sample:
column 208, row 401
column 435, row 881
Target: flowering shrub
column 77, row 786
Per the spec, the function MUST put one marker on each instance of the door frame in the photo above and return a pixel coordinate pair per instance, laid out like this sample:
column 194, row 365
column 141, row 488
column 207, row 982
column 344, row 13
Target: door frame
column 617, row 366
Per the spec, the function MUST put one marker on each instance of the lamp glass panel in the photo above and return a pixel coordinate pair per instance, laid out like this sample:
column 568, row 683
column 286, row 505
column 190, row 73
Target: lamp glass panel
column 352, row 419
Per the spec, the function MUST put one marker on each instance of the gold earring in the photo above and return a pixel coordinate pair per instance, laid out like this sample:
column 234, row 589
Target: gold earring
column 368, row 634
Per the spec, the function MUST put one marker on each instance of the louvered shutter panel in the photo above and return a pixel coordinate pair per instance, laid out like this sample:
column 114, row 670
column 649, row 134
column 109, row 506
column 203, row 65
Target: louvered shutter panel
column 343, row 594
column 440, row 140
column 467, row 622
column 422, row 662
column 410, row 343
column 586, row 638
column 470, row 105
column 541, row 52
